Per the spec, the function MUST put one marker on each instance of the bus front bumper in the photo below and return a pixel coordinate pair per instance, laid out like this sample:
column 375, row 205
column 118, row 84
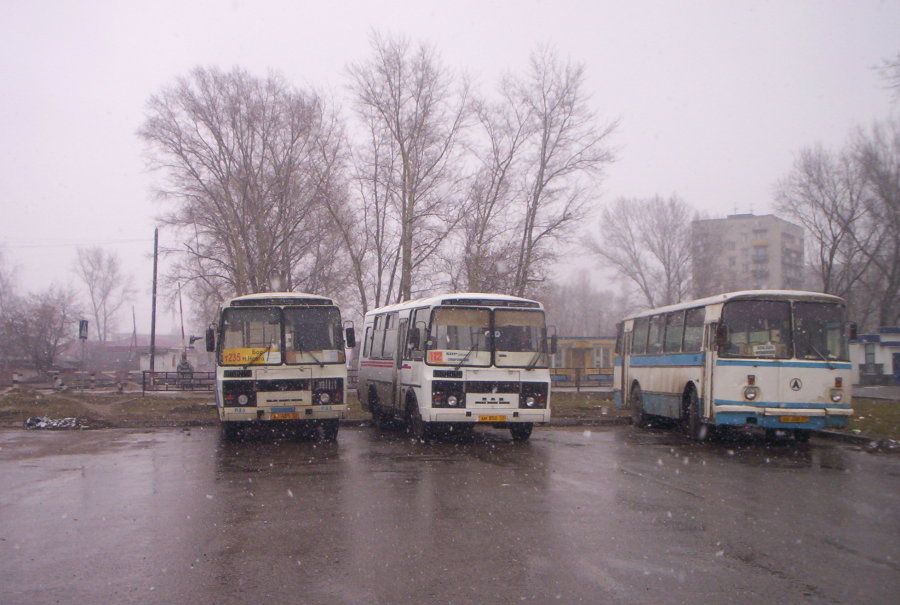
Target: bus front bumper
column 783, row 418
column 275, row 413
column 501, row 416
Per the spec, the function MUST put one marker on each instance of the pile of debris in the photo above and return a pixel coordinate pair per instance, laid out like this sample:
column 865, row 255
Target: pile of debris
column 45, row 422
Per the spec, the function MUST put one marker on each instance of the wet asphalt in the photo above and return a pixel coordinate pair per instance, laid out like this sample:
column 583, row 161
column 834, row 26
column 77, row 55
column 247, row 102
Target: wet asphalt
column 575, row 515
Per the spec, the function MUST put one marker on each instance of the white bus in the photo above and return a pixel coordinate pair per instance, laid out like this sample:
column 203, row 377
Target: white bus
column 280, row 359
column 773, row 359
column 454, row 361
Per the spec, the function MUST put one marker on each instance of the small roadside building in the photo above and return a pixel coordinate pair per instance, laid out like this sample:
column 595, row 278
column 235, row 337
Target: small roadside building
column 583, row 361
column 876, row 357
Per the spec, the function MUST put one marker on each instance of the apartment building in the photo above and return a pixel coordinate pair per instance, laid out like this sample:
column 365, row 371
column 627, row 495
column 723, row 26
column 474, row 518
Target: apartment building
column 746, row 252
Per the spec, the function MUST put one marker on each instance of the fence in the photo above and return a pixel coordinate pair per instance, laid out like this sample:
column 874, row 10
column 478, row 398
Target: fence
column 176, row 381
column 579, row 378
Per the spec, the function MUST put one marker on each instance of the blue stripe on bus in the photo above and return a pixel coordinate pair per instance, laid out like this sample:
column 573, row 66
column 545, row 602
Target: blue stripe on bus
column 618, row 362
column 673, row 359
column 774, row 422
column 783, row 364
column 661, row 404
column 783, row 405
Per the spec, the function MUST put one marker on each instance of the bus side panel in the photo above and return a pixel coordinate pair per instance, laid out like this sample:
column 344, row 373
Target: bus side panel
column 663, row 379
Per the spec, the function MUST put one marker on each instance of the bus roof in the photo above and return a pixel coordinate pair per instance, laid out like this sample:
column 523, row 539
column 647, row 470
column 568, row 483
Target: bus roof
column 277, row 299
column 481, row 299
column 743, row 294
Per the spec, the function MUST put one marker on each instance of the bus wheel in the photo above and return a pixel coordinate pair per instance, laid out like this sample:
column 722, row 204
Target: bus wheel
column 329, row 429
column 801, row 435
column 636, row 403
column 415, row 426
column 695, row 427
column 231, row 431
column 521, row 431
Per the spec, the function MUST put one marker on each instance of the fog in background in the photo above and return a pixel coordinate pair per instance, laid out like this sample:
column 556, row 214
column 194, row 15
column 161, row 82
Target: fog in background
column 715, row 98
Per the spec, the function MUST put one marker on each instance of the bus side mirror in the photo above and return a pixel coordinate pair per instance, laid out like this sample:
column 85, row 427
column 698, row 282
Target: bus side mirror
column 721, row 335
column 554, row 344
column 852, row 330
column 210, row 340
column 351, row 337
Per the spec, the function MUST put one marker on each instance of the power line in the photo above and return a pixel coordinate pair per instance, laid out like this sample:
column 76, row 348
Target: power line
column 8, row 244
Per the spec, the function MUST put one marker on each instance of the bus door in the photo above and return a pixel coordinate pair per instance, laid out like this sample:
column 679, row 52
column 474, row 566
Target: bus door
column 625, row 365
column 400, row 375
column 710, row 353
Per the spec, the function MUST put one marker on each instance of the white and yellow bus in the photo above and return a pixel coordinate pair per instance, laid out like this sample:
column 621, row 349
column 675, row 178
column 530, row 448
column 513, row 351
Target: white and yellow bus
column 280, row 359
column 773, row 359
column 454, row 361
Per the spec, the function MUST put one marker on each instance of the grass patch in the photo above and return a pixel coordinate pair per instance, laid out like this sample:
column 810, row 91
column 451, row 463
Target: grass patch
column 876, row 418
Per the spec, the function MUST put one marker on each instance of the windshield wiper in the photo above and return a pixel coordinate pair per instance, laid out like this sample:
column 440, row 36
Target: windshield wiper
column 310, row 353
column 474, row 347
column 259, row 355
column 534, row 360
column 819, row 353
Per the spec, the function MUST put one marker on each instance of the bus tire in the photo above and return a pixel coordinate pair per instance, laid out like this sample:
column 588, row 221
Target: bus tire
column 231, row 431
column 328, row 429
column 417, row 428
column 636, row 404
column 696, row 429
column 379, row 418
column 802, row 435
column 521, row 431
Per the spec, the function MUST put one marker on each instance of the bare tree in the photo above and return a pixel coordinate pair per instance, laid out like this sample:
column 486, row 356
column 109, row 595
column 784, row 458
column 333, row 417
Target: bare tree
column 647, row 241
column 850, row 204
column 42, row 324
column 580, row 308
column 566, row 147
column 824, row 193
column 243, row 160
column 877, row 153
column 414, row 114
column 107, row 286
column 890, row 72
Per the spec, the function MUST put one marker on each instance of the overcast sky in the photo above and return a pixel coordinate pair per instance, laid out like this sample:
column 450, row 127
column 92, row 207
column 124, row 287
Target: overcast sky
column 715, row 98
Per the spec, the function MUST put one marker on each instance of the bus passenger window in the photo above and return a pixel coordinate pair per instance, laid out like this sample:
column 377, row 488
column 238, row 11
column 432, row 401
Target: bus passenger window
column 674, row 332
column 655, row 337
column 639, row 336
column 693, row 330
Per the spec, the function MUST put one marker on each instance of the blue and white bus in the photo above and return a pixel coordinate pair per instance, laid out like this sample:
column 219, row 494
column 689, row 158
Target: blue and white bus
column 773, row 359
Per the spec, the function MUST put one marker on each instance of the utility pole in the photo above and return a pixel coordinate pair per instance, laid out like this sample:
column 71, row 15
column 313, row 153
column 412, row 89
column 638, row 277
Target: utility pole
column 153, row 311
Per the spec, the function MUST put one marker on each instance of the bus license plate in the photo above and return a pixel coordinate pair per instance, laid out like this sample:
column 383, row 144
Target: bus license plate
column 788, row 419
column 285, row 416
column 492, row 419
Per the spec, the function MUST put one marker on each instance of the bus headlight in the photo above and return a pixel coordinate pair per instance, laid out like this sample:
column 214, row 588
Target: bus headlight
column 530, row 401
column 837, row 395
column 751, row 393
column 324, row 398
column 243, row 399
column 452, row 401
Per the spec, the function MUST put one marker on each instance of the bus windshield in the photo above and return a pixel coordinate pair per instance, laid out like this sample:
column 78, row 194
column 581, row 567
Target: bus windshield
column 768, row 328
column 313, row 335
column 460, row 337
column 251, row 336
column 819, row 331
column 520, row 336
column 757, row 328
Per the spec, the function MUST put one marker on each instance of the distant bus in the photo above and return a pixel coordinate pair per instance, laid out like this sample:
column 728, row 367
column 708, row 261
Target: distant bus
column 454, row 361
column 280, row 359
column 773, row 359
